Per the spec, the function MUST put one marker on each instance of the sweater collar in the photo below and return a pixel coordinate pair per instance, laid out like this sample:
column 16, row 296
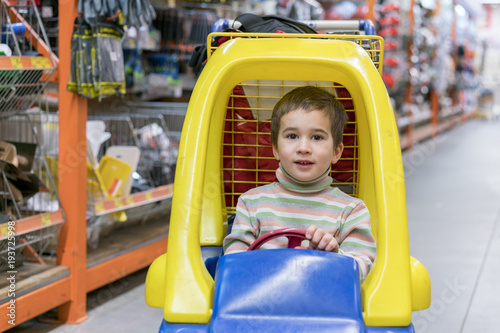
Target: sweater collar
column 311, row 186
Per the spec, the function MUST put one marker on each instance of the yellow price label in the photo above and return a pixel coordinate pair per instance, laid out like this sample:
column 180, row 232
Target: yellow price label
column 149, row 195
column 45, row 219
column 50, row 126
column 118, row 203
column 40, row 62
column 99, row 207
column 16, row 62
column 4, row 231
column 130, row 201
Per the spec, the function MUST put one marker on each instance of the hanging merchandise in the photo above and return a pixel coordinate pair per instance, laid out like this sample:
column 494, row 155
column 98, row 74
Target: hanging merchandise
column 132, row 58
column 79, row 80
column 302, row 10
column 138, row 71
column 97, row 65
column 111, row 74
column 395, row 73
column 134, row 13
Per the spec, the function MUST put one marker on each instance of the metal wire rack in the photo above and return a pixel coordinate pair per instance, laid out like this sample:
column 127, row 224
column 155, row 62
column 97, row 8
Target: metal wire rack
column 173, row 115
column 107, row 211
column 28, row 190
column 373, row 45
column 247, row 159
column 29, row 63
column 148, row 132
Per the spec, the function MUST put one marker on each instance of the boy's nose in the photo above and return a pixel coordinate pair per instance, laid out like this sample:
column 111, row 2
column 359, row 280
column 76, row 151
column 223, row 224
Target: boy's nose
column 304, row 147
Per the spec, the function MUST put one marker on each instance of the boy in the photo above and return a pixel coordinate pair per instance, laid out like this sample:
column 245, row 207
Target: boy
column 306, row 135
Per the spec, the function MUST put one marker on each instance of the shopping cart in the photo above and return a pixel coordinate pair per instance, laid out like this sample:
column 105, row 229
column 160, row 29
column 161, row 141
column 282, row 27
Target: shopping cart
column 282, row 290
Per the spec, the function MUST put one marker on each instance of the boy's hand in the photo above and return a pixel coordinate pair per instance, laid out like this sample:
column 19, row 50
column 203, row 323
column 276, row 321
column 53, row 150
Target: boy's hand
column 320, row 240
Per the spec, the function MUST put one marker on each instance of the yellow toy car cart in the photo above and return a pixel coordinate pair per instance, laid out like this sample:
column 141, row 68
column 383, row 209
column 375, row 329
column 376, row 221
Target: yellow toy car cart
column 225, row 150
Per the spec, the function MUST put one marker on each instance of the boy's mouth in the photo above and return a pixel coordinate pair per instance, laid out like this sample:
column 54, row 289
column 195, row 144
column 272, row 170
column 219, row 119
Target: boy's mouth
column 303, row 162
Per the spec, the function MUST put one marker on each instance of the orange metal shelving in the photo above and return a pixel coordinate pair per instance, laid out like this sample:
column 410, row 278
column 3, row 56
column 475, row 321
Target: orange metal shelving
column 67, row 292
column 37, row 302
column 103, row 207
column 439, row 120
column 32, row 223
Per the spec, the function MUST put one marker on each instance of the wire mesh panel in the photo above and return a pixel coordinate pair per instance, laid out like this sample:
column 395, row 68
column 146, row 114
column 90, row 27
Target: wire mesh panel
column 28, row 189
column 149, row 133
column 373, row 45
column 144, row 135
column 120, row 132
column 26, row 133
column 173, row 115
column 158, row 154
column 28, row 63
column 247, row 157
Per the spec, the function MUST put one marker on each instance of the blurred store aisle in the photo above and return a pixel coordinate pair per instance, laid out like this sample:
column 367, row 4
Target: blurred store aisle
column 453, row 196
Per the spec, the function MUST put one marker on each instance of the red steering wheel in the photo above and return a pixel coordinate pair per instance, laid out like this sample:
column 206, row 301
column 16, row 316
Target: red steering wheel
column 295, row 237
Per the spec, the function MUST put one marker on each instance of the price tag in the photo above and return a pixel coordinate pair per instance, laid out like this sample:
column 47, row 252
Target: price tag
column 99, row 207
column 130, row 201
column 16, row 62
column 4, row 231
column 149, row 195
column 40, row 62
column 46, row 219
column 118, row 203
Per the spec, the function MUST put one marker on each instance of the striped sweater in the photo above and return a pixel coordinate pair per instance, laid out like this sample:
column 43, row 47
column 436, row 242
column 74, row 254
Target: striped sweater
column 291, row 203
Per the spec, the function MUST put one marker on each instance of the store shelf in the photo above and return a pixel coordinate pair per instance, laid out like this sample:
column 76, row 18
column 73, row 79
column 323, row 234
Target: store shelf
column 450, row 111
column 79, row 269
column 104, row 207
column 33, row 223
column 204, row 5
column 428, row 131
column 39, row 288
column 125, row 251
column 122, row 265
column 31, row 276
column 26, row 62
column 413, row 120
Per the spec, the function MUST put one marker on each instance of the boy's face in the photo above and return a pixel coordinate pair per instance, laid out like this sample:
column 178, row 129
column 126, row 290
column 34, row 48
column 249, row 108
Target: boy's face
column 305, row 144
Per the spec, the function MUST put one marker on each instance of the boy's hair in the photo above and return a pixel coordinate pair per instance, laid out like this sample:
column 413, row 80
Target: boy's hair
column 309, row 98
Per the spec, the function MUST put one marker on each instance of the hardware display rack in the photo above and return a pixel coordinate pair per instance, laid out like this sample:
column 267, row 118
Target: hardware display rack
column 427, row 98
column 36, row 213
column 78, row 269
column 147, row 136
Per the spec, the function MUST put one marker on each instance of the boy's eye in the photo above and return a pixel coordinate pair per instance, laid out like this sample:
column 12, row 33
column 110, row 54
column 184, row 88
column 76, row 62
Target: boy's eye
column 292, row 136
column 317, row 137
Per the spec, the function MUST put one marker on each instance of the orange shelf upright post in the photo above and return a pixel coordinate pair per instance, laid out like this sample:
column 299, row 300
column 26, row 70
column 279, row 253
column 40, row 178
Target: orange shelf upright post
column 72, row 251
column 408, row 93
column 370, row 4
column 434, row 112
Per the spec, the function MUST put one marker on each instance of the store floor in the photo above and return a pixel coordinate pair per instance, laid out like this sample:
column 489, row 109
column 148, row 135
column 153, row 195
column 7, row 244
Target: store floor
column 453, row 196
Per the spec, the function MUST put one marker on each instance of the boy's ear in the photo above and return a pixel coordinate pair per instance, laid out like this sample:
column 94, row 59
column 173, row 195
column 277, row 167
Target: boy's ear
column 337, row 153
column 275, row 153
